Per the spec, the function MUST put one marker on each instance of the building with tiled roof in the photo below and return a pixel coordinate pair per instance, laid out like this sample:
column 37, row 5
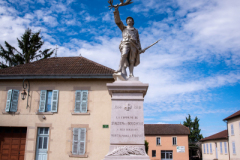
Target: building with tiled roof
column 55, row 108
column 234, row 115
column 167, row 141
column 60, row 67
column 220, row 135
column 233, row 125
column 215, row 146
column 225, row 144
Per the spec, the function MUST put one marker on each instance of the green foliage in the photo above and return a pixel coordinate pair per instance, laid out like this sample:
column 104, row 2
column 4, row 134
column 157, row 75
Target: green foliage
column 193, row 126
column 30, row 44
column 146, row 146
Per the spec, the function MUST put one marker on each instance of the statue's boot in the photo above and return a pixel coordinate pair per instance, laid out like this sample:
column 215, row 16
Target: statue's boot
column 131, row 70
column 124, row 71
column 120, row 65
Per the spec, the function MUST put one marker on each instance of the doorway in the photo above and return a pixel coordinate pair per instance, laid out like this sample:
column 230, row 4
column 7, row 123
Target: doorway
column 42, row 144
column 166, row 155
column 12, row 143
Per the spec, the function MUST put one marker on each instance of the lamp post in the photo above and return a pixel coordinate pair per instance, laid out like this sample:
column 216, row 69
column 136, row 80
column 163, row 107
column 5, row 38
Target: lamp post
column 24, row 94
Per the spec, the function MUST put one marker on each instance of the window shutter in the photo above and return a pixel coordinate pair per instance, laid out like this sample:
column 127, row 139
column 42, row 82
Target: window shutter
column 14, row 103
column 84, row 101
column 82, row 141
column 210, row 147
column 75, row 141
column 207, row 148
column 78, row 95
column 42, row 103
column 232, row 129
column 221, row 148
column 233, row 146
column 54, row 101
column 225, row 147
column 204, row 148
column 9, row 98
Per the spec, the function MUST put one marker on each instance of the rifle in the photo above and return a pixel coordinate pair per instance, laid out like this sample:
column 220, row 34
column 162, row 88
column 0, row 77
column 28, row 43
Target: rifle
column 143, row 50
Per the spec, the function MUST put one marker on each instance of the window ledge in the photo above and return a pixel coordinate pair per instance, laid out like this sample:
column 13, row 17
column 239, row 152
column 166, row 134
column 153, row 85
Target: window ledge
column 78, row 156
column 15, row 113
column 78, row 113
column 44, row 113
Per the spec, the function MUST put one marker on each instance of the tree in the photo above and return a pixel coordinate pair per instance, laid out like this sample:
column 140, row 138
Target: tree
column 30, row 44
column 193, row 126
column 146, row 146
column 194, row 136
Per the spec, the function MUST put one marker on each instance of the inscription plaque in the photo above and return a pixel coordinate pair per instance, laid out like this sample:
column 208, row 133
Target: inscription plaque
column 127, row 125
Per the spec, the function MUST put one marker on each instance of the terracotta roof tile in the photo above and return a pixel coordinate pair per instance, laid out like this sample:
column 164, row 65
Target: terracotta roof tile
column 233, row 115
column 165, row 129
column 220, row 135
column 59, row 66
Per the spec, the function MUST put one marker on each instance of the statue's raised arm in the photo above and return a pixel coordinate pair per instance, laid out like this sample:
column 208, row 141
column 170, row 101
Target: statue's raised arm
column 118, row 20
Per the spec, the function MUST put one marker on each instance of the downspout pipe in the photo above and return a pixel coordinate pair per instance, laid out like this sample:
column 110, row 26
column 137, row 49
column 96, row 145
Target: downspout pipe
column 228, row 141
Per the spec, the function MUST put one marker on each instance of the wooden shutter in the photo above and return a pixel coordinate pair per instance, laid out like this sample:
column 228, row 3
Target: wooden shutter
column 233, row 146
column 232, row 129
column 221, row 151
column 84, row 101
column 14, row 103
column 82, row 141
column 210, row 147
column 204, row 148
column 207, row 148
column 54, row 105
column 225, row 147
column 75, row 142
column 9, row 98
column 42, row 103
column 78, row 95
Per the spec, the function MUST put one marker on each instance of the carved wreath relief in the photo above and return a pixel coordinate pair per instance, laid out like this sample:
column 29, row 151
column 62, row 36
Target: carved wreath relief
column 127, row 150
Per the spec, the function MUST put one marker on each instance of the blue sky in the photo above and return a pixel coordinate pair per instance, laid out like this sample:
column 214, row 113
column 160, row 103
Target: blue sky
column 193, row 70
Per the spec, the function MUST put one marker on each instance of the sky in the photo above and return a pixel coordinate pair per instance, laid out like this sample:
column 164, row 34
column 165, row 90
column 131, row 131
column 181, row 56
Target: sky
column 194, row 69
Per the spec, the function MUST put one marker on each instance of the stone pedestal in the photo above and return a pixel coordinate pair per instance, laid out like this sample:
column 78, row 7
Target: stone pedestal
column 127, row 122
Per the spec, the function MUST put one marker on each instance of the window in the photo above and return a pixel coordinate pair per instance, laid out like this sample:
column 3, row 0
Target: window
column 174, row 140
column 232, row 130
column 12, row 100
column 225, row 147
column 153, row 153
column 210, row 147
column 81, row 101
column 207, row 148
column 204, row 148
column 233, row 146
column 79, row 140
column 48, row 101
column 221, row 151
column 158, row 140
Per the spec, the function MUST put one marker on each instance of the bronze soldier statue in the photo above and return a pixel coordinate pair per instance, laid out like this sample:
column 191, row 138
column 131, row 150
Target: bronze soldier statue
column 130, row 45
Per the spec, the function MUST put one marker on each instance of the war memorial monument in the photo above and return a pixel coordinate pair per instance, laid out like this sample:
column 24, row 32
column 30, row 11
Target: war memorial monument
column 127, row 93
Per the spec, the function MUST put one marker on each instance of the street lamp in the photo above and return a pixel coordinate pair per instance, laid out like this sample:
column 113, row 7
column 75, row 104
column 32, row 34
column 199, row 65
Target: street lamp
column 24, row 93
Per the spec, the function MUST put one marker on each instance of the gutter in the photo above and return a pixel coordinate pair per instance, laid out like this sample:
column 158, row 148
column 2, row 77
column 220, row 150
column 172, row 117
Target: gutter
column 228, row 143
column 84, row 76
column 227, row 139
